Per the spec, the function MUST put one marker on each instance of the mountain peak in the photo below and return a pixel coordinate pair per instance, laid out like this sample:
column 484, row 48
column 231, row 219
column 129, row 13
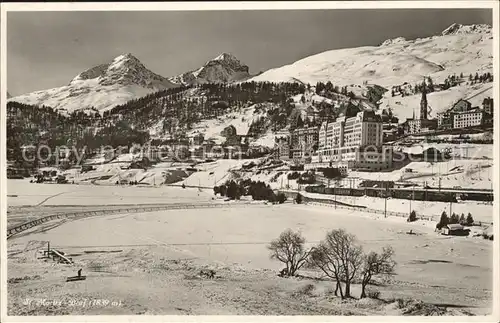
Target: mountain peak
column 228, row 60
column 221, row 69
column 225, row 57
column 125, row 58
column 459, row 29
column 125, row 69
column 103, row 86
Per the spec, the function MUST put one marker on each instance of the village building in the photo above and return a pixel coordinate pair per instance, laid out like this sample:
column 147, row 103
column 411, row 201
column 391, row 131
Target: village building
column 471, row 118
column 445, row 120
column 196, row 139
column 303, row 142
column 488, row 105
column 415, row 126
column 455, row 230
column 282, row 146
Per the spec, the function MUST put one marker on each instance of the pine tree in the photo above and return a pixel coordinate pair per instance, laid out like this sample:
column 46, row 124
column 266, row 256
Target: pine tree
column 462, row 219
column 469, row 220
column 443, row 221
column 430, row 86
column 329, row 86
column 454, row 219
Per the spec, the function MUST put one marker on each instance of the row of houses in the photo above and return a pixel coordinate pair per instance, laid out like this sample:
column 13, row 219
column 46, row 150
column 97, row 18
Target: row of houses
column 360, row 140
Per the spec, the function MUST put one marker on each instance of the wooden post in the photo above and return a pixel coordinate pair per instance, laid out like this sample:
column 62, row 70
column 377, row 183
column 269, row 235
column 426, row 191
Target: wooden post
column 412, row 195
column 48, row 249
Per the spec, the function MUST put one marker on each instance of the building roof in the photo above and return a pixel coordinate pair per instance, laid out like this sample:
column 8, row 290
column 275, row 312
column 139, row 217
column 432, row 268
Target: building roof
column 370, row 116
column 473, row 110
column 455, row 226
column 462, row 100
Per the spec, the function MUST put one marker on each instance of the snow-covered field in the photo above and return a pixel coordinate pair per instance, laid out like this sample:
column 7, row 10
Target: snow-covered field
column 21, row 192
column 237, row 238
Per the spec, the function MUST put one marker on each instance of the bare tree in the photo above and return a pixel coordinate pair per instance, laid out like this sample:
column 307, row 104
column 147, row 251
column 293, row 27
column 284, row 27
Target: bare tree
column 376, row 264
column 323, row 258
column 289, row 249
column 340, row 258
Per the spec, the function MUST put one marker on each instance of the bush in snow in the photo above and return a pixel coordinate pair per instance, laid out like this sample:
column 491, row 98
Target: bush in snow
column 307, row 178
column 281, row 198
column 293, row 175
column 412, row 217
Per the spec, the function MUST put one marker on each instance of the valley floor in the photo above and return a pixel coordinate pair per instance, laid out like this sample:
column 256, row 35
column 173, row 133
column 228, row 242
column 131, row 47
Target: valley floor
column 156, row 257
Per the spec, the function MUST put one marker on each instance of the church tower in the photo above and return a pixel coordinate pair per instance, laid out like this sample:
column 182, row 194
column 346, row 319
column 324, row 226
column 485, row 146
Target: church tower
column 423, row 103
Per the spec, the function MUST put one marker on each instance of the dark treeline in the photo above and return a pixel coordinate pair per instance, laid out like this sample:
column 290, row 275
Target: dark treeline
column 450, row 81
column 259, row 191
column 34, row 126
column 330, row 91
column 184, row 106
column 176, row 110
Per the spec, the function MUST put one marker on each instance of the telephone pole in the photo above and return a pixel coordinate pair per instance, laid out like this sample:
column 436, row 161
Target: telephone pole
column 385, row 200
column 385, row 205
column 335, row 195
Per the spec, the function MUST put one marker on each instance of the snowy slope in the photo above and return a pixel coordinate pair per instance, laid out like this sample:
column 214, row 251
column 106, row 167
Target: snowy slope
column 467, row 50
column 241, row 120
column 102, row 87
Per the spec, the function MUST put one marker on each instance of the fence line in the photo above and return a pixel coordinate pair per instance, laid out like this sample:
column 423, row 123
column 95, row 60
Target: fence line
column 356, row 208
column 330, row 203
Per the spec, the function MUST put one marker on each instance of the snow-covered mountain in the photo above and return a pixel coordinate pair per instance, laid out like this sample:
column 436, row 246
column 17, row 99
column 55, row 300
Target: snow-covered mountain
column 459, row 49
column 225, row 68
column 102, row 87
column 458, row 29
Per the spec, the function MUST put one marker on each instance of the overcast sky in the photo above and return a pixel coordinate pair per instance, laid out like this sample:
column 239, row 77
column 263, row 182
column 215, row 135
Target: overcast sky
column 48, row 49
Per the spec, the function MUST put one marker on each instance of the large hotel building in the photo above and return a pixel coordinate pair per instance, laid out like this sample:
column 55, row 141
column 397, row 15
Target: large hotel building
column 355, row 142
